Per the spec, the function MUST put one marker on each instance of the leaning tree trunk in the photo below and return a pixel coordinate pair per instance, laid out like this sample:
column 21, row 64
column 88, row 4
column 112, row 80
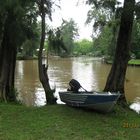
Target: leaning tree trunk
column 116, row 77
column 42, row 68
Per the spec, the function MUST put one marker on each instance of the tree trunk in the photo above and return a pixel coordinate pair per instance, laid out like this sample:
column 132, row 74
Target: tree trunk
column 2, row 21
column 116, row 77
column 7, row 68
column 7, row 72
column 42, row 68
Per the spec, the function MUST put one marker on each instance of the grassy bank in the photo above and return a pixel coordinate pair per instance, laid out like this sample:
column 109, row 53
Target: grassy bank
column 60, row 122
column 133, row 62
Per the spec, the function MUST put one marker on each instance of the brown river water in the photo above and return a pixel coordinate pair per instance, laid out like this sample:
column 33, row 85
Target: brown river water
column 89, row 71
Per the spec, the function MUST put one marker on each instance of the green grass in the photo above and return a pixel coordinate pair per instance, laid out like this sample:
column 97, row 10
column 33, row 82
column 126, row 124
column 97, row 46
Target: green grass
column 60, row 122
column 134, row 62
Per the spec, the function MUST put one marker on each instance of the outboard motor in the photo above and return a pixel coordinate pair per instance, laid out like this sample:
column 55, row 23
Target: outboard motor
column 74, row 85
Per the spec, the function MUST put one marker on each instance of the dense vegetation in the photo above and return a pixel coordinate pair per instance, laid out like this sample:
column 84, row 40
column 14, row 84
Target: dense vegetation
column 103, row 47
column 17, row 23
column 99, row 46
column 63, row 40
column 83, row 47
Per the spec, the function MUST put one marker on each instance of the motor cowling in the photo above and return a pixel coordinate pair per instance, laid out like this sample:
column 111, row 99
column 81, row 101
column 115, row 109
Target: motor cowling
column 74, row 85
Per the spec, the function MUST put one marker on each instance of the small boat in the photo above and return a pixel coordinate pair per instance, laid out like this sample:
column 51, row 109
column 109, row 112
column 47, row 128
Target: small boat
column 99, row 101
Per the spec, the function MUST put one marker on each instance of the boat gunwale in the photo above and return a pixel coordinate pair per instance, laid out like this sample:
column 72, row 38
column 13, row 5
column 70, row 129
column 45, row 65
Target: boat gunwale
column 91, row 93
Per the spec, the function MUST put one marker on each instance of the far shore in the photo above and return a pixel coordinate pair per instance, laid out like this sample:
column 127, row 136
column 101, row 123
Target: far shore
column 132, row 62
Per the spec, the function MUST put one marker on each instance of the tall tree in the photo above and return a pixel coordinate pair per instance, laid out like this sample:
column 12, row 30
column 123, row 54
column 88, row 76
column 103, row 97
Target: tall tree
column 45, row 7
column 69, row 31
column 61, row 40
column 55, row 42
column 116, row 77
column 13, row 35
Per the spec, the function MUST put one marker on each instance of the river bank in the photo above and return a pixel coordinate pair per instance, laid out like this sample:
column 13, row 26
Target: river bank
column 132, row 62
column 60, row 122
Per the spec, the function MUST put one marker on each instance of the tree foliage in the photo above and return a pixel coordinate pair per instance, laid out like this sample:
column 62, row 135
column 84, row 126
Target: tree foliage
column 18, row 14
column 69, row 31
column 107, row 27
column 102, row 13
column 106, row 18
column 61, row 39
column 55, row 42
column 135, row 49
column 83, row 47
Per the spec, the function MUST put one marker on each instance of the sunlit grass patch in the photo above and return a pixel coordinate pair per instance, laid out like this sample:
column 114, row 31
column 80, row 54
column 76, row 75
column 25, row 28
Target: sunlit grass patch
column 134, row 62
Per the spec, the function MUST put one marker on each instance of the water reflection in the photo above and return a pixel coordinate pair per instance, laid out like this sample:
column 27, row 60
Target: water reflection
column 82, row 71
column 40, row 98
column 132, row 84
column 27, row 81
column 136, row 105
column 90, row 72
